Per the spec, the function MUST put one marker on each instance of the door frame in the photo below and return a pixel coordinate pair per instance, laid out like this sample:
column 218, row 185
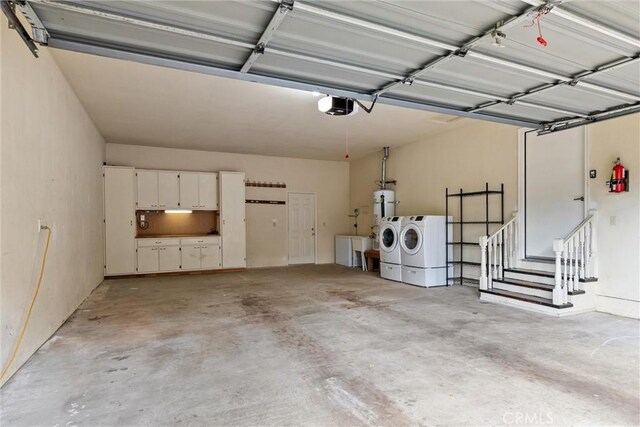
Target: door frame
column 522, row 168
column 315, row 225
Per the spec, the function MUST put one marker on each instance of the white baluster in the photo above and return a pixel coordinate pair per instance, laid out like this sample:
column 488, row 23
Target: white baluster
column 572, row 262
column 483, row 263
column 495, row 257
column 510, row 245
column 587, row 250
column 594, row 244
column 564, row 265
column 500, row 252
column 576, row 264
column 489, row 258
column 558, row 248
column 582, row 257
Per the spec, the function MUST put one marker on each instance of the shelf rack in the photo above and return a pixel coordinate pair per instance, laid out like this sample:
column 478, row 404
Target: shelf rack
column 461, row 242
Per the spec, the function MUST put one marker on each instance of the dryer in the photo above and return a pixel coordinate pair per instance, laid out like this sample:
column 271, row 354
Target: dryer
column 390, row 251
column 423, row 250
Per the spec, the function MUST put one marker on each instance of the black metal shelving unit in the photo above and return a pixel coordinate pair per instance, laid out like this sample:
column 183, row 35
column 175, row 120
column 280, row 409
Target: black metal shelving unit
column 487, row 222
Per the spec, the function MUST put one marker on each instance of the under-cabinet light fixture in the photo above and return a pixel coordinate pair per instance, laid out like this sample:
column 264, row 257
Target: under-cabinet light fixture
column 178, row 211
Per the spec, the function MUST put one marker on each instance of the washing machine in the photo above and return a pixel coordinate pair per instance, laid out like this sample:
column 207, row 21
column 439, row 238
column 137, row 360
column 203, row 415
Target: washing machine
column 423, row 250
column 390, row 252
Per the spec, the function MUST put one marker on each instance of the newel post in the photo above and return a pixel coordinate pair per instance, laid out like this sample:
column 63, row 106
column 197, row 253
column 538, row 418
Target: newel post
column 594, row 243
column 558, row 298
column 483, row 263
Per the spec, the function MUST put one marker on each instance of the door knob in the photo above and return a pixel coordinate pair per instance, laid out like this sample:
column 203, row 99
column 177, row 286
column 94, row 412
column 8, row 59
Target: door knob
column 580, row 199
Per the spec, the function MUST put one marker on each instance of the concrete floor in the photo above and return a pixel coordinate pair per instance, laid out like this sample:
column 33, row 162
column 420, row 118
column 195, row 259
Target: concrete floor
column 322, row 345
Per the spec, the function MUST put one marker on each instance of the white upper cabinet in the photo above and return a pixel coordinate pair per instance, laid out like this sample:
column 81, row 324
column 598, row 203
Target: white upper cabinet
column 189, row 192
column 161, row 190
column 208, row 191
column 168, row 190
column 199, row 191
column 147, row 189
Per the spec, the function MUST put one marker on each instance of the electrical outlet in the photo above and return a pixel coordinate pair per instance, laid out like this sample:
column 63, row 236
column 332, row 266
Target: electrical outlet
column 592, row 173
column 141, row 217
column 41, row 225
column 612, row 220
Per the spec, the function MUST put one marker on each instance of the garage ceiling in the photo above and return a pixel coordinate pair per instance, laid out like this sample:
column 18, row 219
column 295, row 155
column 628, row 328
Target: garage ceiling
column 432, row 55
column 141, row 104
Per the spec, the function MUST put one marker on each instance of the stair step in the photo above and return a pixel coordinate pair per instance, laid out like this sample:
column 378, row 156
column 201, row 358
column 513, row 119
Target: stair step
column 542, row 273
column 525, row 283
column 529, row 271
column 527, row 298
column 534, row 285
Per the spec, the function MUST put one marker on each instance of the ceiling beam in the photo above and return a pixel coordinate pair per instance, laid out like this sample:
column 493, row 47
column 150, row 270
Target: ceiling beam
column 120, row 52
column 278, row 16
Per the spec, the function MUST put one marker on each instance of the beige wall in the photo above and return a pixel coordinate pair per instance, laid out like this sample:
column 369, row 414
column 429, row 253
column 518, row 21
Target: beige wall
column 266, row 242
column 479, row 152
column 619, row 243
column 50, row 169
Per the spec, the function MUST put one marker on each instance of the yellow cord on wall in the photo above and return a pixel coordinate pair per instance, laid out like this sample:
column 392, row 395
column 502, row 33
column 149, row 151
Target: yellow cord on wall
column 33, row 302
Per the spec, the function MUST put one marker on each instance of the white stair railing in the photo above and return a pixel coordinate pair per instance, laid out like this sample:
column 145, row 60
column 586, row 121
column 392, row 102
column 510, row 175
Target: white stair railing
column 498, row 251
column 576, row 258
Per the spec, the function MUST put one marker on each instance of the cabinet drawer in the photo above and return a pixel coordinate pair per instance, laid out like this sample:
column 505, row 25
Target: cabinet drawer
column 147, row 242
column 201, row 240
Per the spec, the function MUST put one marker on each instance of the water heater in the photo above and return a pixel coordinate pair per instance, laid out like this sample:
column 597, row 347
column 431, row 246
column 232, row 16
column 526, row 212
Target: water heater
column 384, row 204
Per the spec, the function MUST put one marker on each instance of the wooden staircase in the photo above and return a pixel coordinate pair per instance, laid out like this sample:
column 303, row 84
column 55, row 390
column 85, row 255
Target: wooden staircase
column 532, row 289
column 558, row 287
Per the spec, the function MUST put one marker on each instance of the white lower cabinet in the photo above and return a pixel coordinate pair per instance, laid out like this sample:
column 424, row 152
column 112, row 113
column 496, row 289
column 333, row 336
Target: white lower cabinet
column 201, row 254
column 191, row 257
column 174, row 254
column 158, row 255
column 169, row 258
column 148, row 260
column 210, row 254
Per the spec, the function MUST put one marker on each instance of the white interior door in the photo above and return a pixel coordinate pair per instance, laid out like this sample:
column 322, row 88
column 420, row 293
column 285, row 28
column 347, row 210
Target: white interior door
column 554, row 179
column 302, row 232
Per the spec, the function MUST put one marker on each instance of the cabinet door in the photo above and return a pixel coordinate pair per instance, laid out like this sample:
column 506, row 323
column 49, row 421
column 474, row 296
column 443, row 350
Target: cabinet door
column 208, row 191
column 210, row 254
column 169, row 258
column 189, row 197
column 148, row 259
column 191, row 257
column 232, row 220
column 168, row 190
column 119, row 217
column 147, row 189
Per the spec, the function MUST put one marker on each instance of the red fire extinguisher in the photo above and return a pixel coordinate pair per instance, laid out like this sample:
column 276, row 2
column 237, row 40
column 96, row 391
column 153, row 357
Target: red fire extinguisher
column 619, row 178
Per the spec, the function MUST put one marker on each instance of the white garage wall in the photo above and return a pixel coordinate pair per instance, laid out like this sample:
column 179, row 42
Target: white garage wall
column 466, row 157
column 51, row 168
column 266, row 243
column 618, row 239
column 469, row 156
